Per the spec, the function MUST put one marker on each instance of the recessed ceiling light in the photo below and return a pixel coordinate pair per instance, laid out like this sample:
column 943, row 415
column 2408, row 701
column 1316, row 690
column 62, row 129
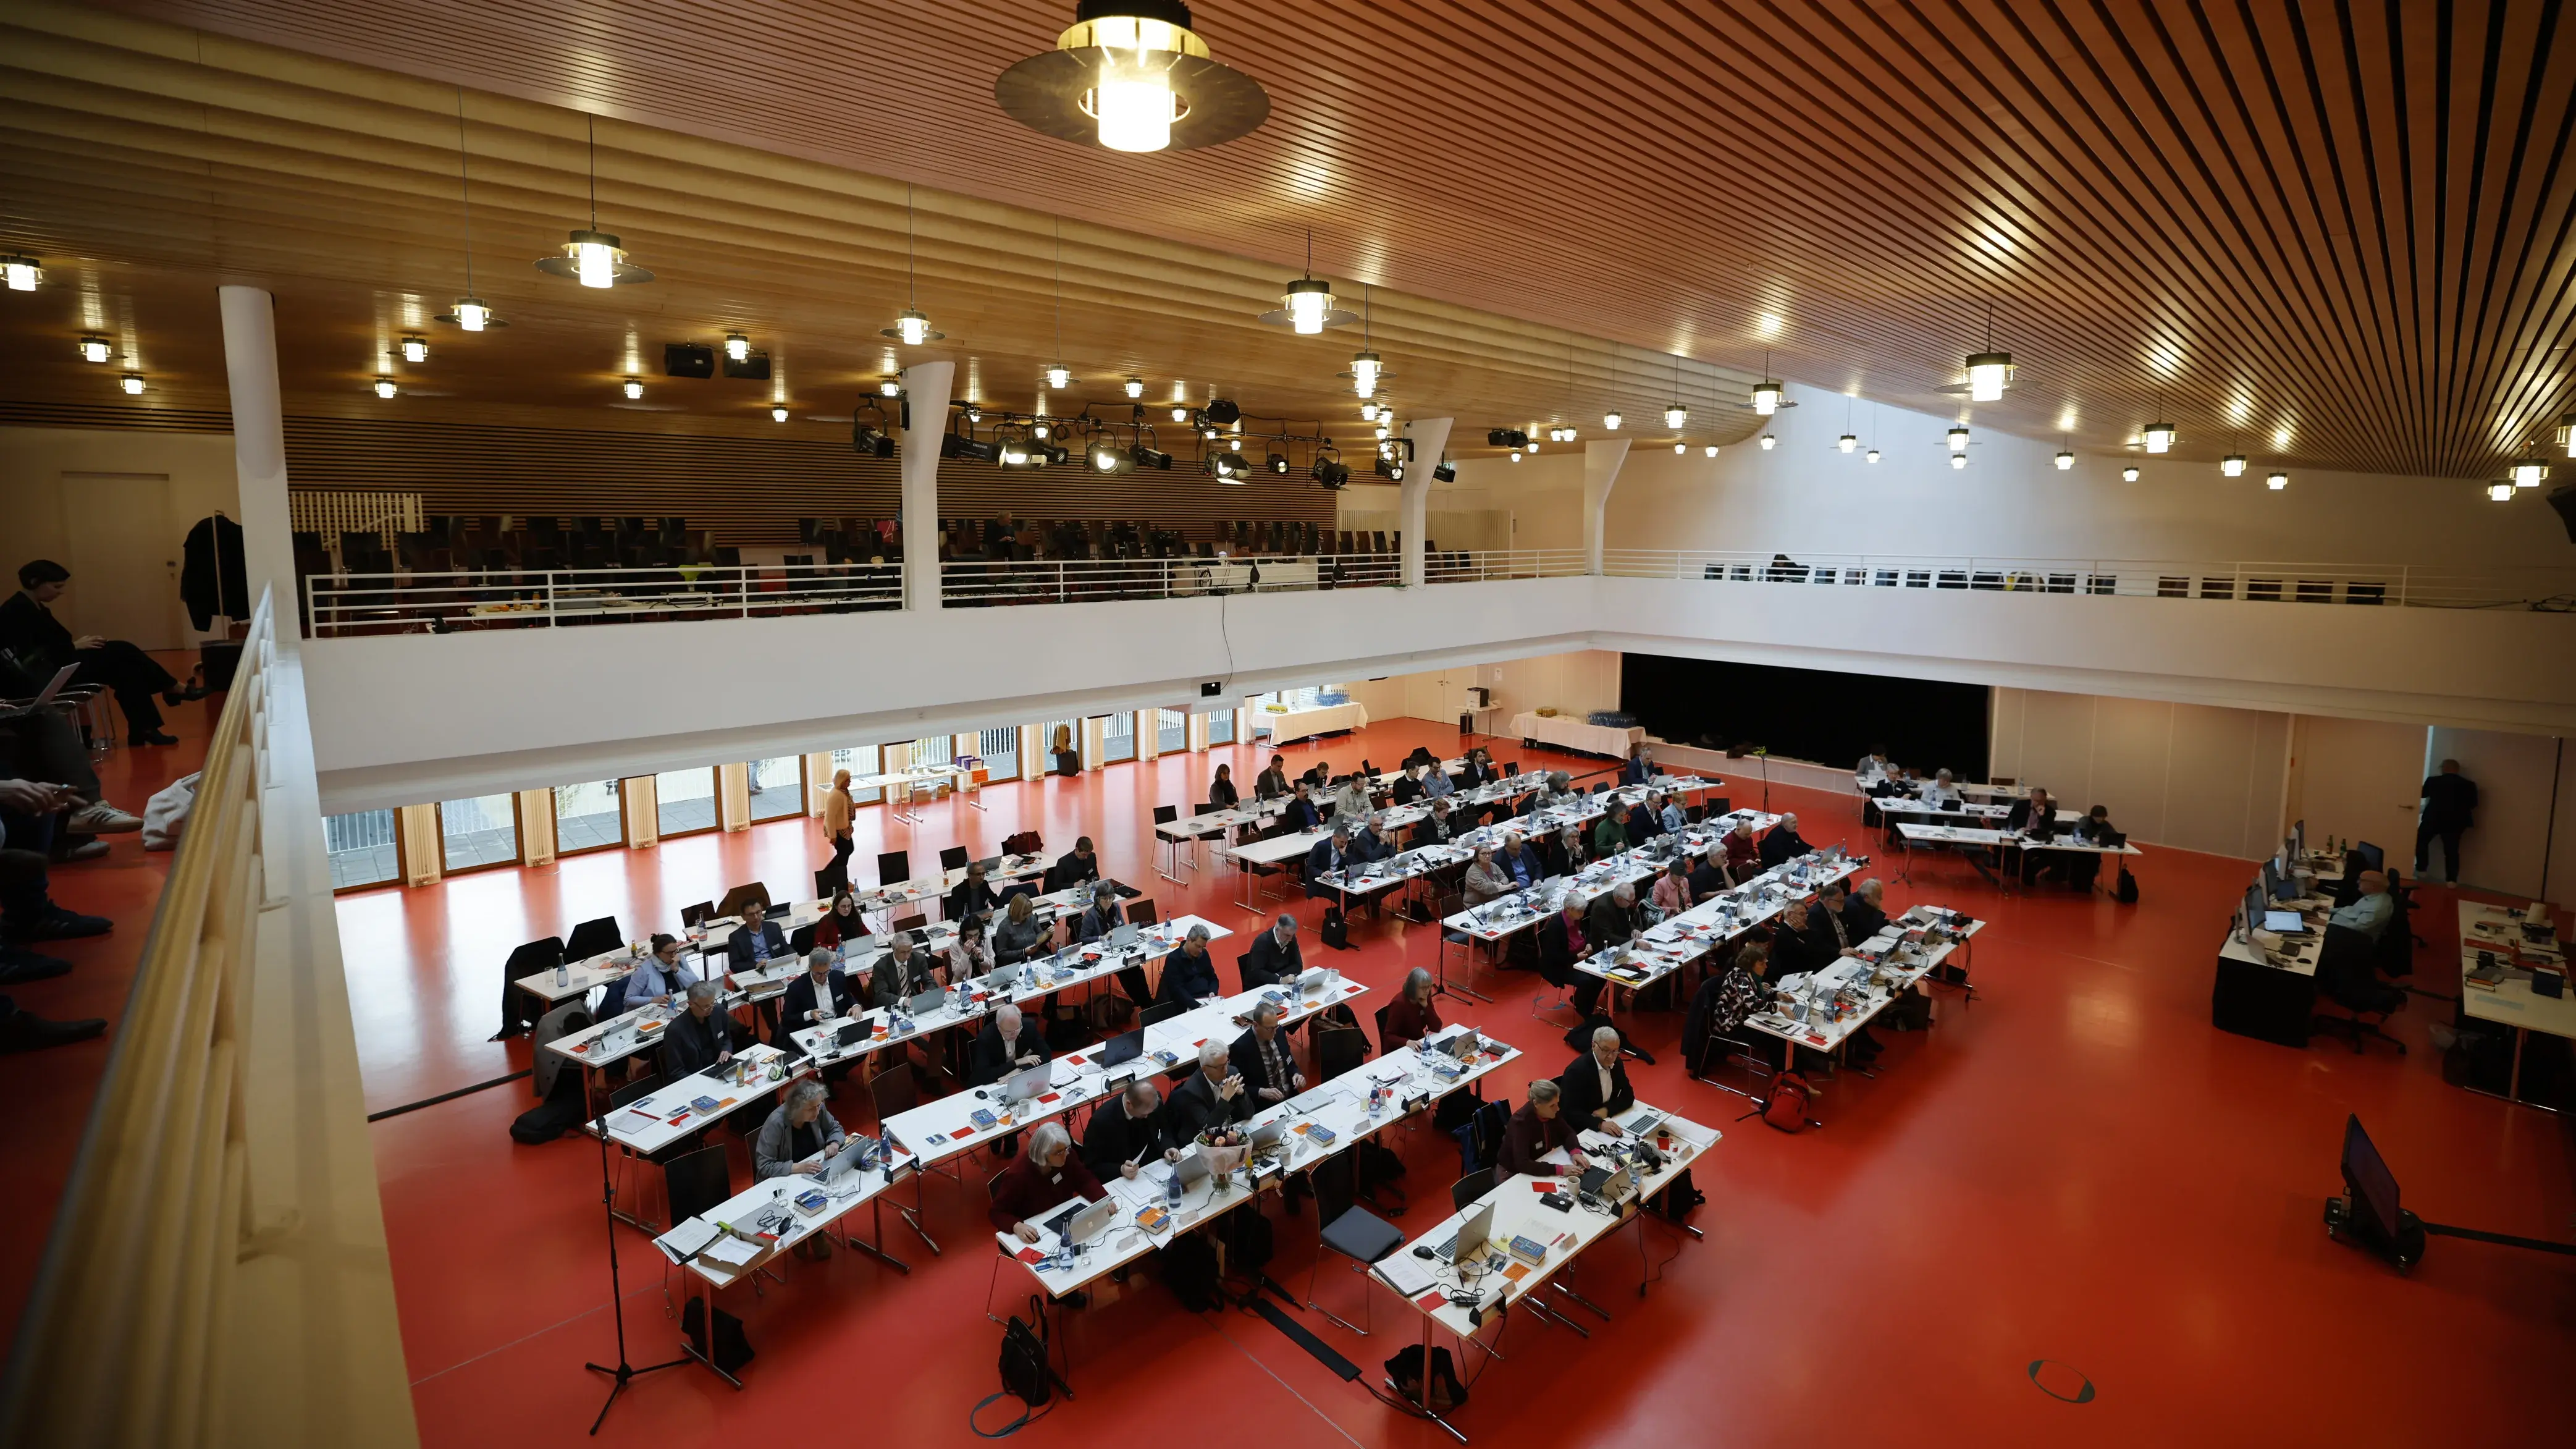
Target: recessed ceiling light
column 132, row 382
column 23, row 272
column 633, row 388
column 2159, row 437
column 96, row 349
column 737, row 346
column 778, row 413
column 1132, row 77
column 2276, row 480
column 2129, row 474
column 415, row 349
column 1135, row 387
column 1769, row 442
column 2232, row 466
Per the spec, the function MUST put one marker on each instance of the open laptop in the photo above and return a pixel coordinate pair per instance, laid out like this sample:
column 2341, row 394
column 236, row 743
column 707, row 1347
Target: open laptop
column 1462, row 1046
column 1001, row 983
column 1121, row 938
column 992, row 866
column 2285, row 923
column 1192, row 1169
column 1470, row 1240
column 1026, row 1084
column 1603, row 1183
column 1080, row 1222
column 1123, row 1048
column 1266, row 1136
column 1312, row 979
column 852, row 1159
column 851, row 1034
column 925, row 1002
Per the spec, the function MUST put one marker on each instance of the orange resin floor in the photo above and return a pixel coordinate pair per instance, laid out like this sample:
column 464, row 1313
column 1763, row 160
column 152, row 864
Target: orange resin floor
column 2076, row 1171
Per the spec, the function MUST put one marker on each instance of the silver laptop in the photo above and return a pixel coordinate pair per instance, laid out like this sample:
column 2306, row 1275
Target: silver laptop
column 925, row 1002
column 1267, row 1135
column 1027, row 1084
column 1121, row 938
column 1469, row 1244
column 1312, row 979
column 1192, row 1169
column 1092, row 1221
column 850, row 1161
column 1001, row 982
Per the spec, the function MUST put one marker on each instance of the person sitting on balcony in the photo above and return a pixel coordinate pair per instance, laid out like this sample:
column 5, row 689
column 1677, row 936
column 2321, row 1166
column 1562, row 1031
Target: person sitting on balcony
column 29, row 630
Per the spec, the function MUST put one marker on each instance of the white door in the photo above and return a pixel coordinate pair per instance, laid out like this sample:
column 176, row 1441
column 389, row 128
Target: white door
column 2357, row 779
column 124, row 559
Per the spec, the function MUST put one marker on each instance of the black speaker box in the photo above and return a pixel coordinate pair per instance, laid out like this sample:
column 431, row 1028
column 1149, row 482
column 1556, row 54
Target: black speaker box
column 688, row 359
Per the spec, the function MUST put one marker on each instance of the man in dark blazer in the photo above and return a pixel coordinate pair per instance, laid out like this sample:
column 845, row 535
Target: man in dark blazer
column 1794, row 947
column 1126, row 1134
column 1865, row 914
column 756, row 941
column 1783, row 843
column 1210, row 1101
column 698, row 1038
column 1300, row 816
column 1337, row 851
column 821, row 994
column 1273, row 956
column 973, row 894
column 1189, row 974
column 1074, row 866
column 1007, row 1044
column 1261, row 1057
column 1595, row 1085
column 904, row 971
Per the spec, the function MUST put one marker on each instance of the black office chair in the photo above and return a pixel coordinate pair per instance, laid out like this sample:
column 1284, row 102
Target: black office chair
column 954, row 857
column 800, row 941
column 1471, row 1187
column 735, row 899
column 2345, row 979
column 894, row 867
column 1340, row 1050
column 1160, row 1012
column 592, row 937
column 1350, row 1230
column 698, row 914
column 1166, row 814
column 519, row 1010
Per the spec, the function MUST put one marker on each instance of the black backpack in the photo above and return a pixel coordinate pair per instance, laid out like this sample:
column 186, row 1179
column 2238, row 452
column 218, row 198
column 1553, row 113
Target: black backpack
column 730, row 1351
column 1406, row 1370
column 1189, row 1270
column 2126, row 893
column 559, row 1113
column 1026, row 1373
column 1379, row 1170
column 1336, row 930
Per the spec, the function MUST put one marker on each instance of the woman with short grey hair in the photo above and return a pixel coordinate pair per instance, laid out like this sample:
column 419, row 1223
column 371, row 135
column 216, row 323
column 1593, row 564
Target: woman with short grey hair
column 796, row 1134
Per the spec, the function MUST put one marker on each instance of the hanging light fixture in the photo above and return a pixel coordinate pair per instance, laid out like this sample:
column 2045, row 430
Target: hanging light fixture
column 1610, row 418
column 2276, row 480
column 2567, row 433
column 2501, row 490
column 1610, row 421
column 415, row 349
column 1306, row 304
column 1958, row 440
column 132, row 382
column 1769, row 442
column 1989, row 372
column 2129, row 474
column 1871, row 455
column 1680, row 446
column 911, row 329
column 1135, row 387
column 737, row 346
column 1058, row 375
column 1766, row 393
column 1530, row 447
column 1958, row 461
column 633, row 387
column 96, row 349
column 1367, row 368
column 1039, row 430
column 890, row 387
column 2065, row 458
column 2159, row 437
column 470, row 312
column 1103, row 456
column 385, row 387
column 1676, row 416
column 1710, row 450
column 1368, row 412
column 778, row 412
column 1515, row 457
column 23, row 272
column 1130, row 75
column 1847, row 442
column 2528, row 472
column 593, row 257
column 1180, row 413
column 2232, row 466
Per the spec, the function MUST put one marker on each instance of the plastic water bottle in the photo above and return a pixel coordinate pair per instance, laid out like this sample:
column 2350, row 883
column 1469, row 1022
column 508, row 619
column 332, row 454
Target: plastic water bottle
column 563, row 973
column 1172, row 1192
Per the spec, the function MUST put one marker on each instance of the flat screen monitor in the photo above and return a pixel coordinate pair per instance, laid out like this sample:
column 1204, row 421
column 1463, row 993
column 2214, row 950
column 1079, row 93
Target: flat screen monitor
column 2366, row 1177
column 2364, row 856
column 2298, row 839
column 2250, row 914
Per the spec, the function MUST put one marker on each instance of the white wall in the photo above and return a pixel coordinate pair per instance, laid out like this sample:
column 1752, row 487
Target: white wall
column 2190, row 776
column 1573, row 683
column 33, row 461
column 2357, row 779
column 2519, row 779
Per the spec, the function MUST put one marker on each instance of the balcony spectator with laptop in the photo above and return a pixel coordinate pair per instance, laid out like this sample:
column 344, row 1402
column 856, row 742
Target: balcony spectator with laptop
column 29, row 630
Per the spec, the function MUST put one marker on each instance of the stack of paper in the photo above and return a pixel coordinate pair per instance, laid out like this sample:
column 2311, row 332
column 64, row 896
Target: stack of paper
column 686, row 1240
column 731, row 1251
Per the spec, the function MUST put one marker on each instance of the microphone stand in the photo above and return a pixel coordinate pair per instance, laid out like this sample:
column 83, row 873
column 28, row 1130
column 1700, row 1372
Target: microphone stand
column 624, row 1373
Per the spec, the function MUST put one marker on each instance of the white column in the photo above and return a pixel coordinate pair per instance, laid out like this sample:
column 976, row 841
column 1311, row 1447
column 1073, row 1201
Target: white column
column 1430, row 438
column 1601, row 460
column 925, row 386
column 259, row 453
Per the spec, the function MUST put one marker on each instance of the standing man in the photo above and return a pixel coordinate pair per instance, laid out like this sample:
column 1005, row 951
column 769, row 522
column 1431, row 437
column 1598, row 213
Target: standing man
column 2450, row 799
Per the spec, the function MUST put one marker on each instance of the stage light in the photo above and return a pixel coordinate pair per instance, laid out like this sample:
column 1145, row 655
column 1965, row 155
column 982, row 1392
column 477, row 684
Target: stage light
column 1329, row 472
column 1445, row 472
column 869, row 441
column 1105, row 458
column 1505, row 437
column 958, row 445
column 1277, row 463
column 1391, row 468
column 1145, row 457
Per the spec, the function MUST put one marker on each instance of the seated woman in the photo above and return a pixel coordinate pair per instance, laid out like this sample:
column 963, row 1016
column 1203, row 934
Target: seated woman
column 1672, row 893
column 1019, row 933
column 1221, row 791
column 841, row 923
column 1412, row 1015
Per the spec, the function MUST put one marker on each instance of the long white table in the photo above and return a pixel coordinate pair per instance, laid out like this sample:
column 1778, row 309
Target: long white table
column 1825, row 1009
column 1568, row 732
column 1950, row 835
column 1284, row 726
column 2498, row 989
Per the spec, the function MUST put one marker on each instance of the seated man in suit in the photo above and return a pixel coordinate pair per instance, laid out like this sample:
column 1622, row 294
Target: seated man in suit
column 1273, row 956
column 1272, row 783
column 1007, row 1044
column 1301, row 815
column 698, row 1038
column 1435, row 828
column 1596, row 1085
column 1782, row 844
column 1124, row 1137
column 1865, row 914
column 1376, row 839
column 1646, row 818
column 1794, row 946
column 1610, row 922
column 904, row 971
column 1074, row 866
column 1337, row 851
column 1520, row 862
column 1408, row 786
column 973, row 894
column 1189, row 974
column 1709, row 876
column 820, row 995
column 1208, row 1104
column 1825, row 918
column 1639, row 766
column 1538, row 1128
column 755, row 941
column 1478, row 769
column 1261, row 1057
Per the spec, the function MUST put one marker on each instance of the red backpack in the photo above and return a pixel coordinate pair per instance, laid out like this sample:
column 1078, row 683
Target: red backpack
column 1786, row 1108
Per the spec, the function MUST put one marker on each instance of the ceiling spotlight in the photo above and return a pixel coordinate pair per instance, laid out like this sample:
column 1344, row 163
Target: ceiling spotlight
column 1135, row 387
column 23, row 272
column 1058, row 375
column 974, row 413
column 1610, row 420
column 1444, row 471
column 1680, row 447
column 132, row 382
column 1871, row 455
column 471, row 313
column 1391, row 468
column 912, row 329
column 1847, row 442
column 2065, row 460
column 1766, row 397
column 1014, row 453
column 869, row 441
column 1366, row 368
column 1132, row 76
column 1224, row 412
column 1232, row 468
column 1710, row 450
column 1276, row 463
column 594, row 259
column 960, row 445
column 1676, row 416
column 385, row 387
column 2232, row 466
column 2525, row 473
column 1506, row 438
column 2276, row 480
column 634, row 388
column 1145, row 457
column 415, row 349
column 1330, row 472
column 1988, row 372
column 2129, row 474
column 2159, row 437
column 889, row 387
column 1958, row 439
column 95, row 349
column 778, row 412
column 1769, row 442
column 2500, row 490
column 1106, row 458
column 737, row 346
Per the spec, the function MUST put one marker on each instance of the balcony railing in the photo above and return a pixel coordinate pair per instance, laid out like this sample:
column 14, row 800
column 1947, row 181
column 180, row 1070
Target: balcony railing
column 402, row 603
column 1503, row 563
column 1077, row 581
column 2305, row 583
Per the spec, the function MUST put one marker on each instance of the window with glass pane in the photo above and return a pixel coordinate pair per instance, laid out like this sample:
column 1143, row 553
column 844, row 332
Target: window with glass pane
column 1068, row 731
column 1221, row 727
column 685, row 800
column 935, row 750
column 361, row 845
column 1118, row 737
column 1171, row 731
column 864, row 761
column 479, row 830
column 777, row 787
column 588, row 816
column 1001, row 751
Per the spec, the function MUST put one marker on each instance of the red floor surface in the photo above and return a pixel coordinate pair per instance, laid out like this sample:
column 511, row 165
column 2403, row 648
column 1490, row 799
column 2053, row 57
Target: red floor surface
column 49, row 1092
column 2077, row 1169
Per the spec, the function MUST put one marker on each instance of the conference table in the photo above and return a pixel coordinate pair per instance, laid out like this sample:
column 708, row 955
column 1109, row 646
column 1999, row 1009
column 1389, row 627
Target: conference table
column 2265, row 986
column 2500, row 948
column 1284, row 726
column 1324, row 1121
column 1567, row 732
column 1824, row 1010
column 1687, row 936
column 1509, row 915
column 1463, row 1299
column 1997, row 840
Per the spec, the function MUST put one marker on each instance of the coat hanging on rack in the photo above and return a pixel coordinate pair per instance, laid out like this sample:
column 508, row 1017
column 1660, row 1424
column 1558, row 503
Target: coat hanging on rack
column 212, row 578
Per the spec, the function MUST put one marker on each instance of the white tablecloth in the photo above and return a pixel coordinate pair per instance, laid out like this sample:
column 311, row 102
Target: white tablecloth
column 1571, row 733
column 1297, row 724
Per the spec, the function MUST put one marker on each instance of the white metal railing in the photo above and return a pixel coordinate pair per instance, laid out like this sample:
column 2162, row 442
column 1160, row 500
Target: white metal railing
column 1073, row 581
column 2316, row 583
column 412, row 601
column 1482, row 565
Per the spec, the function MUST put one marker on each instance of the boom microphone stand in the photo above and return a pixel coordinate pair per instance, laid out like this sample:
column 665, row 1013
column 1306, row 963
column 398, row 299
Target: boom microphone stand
column 624, row 1373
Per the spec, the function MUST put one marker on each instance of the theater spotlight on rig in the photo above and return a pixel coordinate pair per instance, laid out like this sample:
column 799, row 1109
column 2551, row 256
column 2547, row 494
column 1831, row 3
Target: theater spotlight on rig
column 1145, row 457
column 1447, row 472
column 1391, row 468
column 1231, row 468
column 1222, row 411
column 1331, row 473
column 1507, row 438
column 1277, row 463
column 958, row 445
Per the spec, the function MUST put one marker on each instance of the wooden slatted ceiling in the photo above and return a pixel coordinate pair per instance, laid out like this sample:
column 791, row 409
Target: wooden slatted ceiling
column 2347, row 222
